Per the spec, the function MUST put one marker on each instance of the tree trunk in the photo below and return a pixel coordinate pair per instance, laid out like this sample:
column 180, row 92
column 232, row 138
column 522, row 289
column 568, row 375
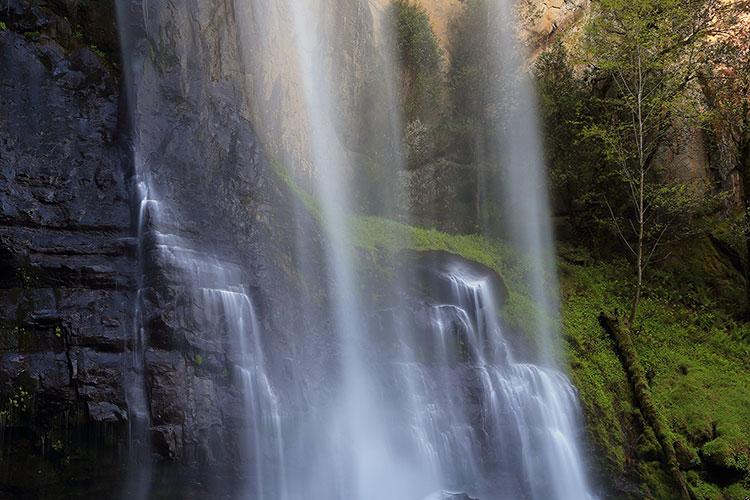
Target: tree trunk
column 639, row 251
column 640, row 202
column 644, row 400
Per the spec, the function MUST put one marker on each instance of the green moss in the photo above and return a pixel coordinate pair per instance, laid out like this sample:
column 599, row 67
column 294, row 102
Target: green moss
column 655, row 482
column 697, row 365
column 100, row 53
column 737, row 491
column 3, row 26
column 309, row 202
column 724, row 452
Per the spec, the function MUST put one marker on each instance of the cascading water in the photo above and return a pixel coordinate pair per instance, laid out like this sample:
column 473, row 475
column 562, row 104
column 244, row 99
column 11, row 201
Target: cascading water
column 528, row 414
column 139, row 466
column 429, row 396
column 365, row 464
column 218, row 301
column 214, row 312
column 231, row 306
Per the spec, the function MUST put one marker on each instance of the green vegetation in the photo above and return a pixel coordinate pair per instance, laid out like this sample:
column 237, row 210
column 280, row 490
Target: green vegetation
column 421, row 76
column 643, row 49
column 100, row 53
column 421, row 61
column 3, row 26
column 18, row 402
column 382, row 239
column 621, row 96
column 696, row 364
column 379, row 241
column 473, row 96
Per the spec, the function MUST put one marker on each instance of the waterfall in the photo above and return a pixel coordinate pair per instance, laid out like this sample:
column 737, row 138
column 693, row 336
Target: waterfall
column 529, row 414
column 232, row 306
column 365, row 464
column 139, row 464
column 428, row 397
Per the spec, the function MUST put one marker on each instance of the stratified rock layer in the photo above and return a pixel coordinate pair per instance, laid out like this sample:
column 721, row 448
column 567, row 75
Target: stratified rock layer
column 66, row 258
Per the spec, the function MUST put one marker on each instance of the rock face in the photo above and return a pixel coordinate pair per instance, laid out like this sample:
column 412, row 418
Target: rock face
column 68, row 252
column 66, row 257
column 218, row 204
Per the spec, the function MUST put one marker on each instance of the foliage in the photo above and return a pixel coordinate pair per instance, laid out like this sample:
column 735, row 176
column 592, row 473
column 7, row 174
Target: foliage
column 421, row 61
column 692, row 352
column 646, row 51
column 17, row 403
column 725, row 81
column 471, row 79
column 567, row 106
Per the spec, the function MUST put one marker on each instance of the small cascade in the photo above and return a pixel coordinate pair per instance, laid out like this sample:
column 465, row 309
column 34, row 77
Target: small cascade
column 139, row 466
column 529, row 413
column 488, row 423
column 234, row 310
column 219, row 305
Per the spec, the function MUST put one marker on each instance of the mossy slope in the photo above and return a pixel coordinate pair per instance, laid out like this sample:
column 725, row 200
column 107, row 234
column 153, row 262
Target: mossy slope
column 696, row 362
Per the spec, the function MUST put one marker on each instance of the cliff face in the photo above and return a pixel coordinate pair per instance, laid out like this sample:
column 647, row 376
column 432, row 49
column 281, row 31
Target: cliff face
column 66, row 255
column 350, row 51
column 68, row 251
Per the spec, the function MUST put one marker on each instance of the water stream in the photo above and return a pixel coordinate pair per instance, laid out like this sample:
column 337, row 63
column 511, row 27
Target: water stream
column 430, row 396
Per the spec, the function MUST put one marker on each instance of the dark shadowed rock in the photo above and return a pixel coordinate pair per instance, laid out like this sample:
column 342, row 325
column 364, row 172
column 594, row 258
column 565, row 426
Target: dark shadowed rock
column 66, row 255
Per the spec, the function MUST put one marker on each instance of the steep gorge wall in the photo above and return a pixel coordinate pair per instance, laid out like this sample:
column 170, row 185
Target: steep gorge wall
column 68, row 260
column 66, row 257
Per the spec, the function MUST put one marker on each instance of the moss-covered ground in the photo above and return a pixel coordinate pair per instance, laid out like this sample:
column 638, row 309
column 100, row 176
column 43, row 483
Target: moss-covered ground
column 695, row 356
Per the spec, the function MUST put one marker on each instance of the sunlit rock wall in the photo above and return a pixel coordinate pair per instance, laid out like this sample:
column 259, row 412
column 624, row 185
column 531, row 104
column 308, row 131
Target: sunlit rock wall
column 275, row 96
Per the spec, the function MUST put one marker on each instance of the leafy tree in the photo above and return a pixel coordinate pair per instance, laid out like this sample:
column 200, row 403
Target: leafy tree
column 646, row 52
column 567, row 105
column 479, row 86
column 421, row 61
column 470, row 76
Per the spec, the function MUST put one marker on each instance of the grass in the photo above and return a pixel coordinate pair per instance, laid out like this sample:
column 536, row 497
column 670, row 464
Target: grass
column 378, row 242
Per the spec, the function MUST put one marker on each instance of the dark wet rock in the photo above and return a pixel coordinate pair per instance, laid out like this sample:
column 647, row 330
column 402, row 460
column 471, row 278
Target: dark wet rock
column 449, row 495
column 66, row 254
column 105, row 411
